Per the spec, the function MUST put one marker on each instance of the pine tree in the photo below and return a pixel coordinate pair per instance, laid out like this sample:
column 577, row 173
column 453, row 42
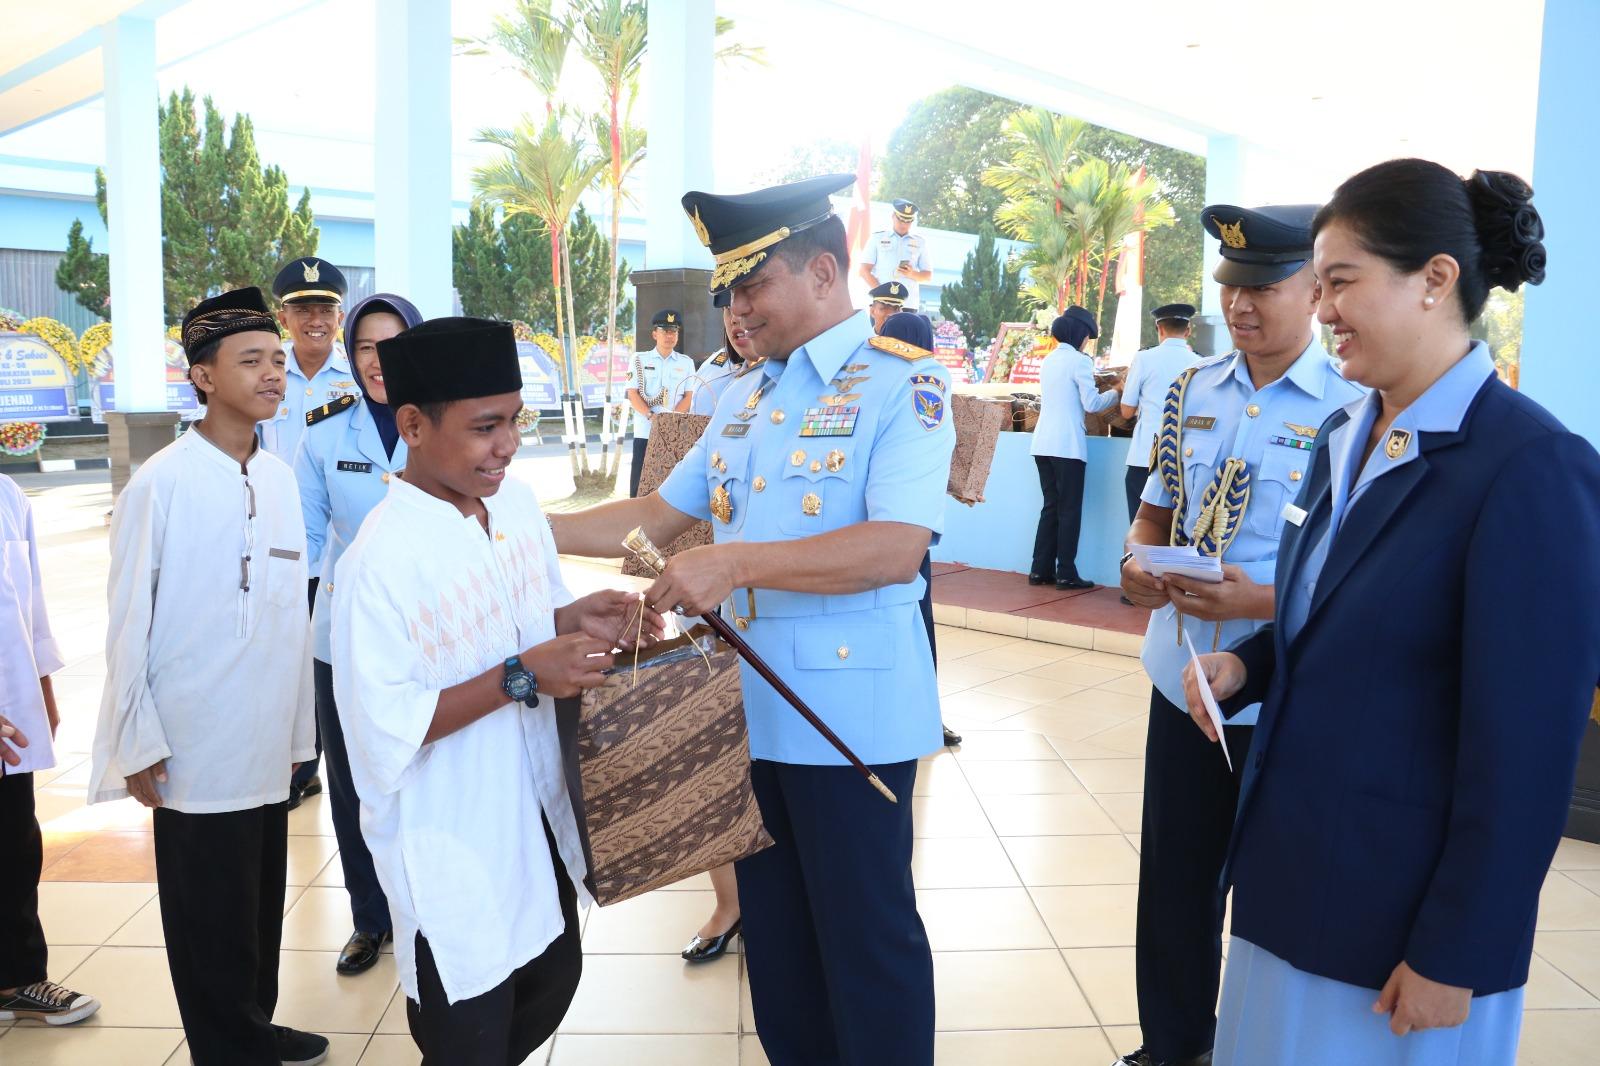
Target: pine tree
column 85, row 272
column 986, row 295
column 502, row 270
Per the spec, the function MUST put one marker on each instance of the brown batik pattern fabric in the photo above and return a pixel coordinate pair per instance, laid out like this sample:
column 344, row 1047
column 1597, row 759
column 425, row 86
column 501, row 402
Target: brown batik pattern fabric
column 672, row 434
column 665, row 764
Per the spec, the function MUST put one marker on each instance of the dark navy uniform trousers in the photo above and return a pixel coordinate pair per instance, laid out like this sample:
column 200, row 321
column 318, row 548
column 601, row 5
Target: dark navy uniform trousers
column 369, row 907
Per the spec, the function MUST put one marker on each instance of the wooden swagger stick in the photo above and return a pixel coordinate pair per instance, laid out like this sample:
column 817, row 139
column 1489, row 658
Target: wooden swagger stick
column 648, row 554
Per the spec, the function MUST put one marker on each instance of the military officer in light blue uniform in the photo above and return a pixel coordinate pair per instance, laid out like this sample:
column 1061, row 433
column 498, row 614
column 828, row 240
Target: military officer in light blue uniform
column 350, row 450
column 898, row 255
column 311, row 292
column 1232, row 451
column 823, row 475
column 1150, row 375
column 658, row 375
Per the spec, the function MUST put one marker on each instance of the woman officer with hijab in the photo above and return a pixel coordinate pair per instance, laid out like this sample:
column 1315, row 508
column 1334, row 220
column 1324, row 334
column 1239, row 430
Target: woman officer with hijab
column 350, row 450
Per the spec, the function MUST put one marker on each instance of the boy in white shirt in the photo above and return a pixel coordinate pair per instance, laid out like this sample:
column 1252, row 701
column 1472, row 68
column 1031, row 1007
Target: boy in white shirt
column 207, row 703
column 28, row 720
column 446, row 667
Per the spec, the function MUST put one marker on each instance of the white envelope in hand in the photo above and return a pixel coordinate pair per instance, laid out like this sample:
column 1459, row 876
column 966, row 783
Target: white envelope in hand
column 1212, row 710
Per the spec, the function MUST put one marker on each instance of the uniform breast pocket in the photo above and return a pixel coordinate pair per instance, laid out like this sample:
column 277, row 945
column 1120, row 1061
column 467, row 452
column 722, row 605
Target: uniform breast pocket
column 814, row 496
column 286, row 576
column 1276, row 483
column 728, row 482
column 1199, row 467
column 853, row 646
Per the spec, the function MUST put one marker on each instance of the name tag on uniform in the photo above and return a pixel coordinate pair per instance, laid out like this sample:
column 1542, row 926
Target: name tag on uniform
column 1199, row 422
column 1294, row 515
column 355, row 468
column 736, row 429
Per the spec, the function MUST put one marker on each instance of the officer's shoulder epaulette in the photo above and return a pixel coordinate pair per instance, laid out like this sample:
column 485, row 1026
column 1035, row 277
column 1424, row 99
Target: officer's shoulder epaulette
column 720, row 359
column 900, row 349
column 329, row 409
column 1214, row 360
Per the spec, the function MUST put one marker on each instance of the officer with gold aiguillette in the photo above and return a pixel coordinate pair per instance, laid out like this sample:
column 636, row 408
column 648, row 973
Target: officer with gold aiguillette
column 1235, row 436
column 823, row 474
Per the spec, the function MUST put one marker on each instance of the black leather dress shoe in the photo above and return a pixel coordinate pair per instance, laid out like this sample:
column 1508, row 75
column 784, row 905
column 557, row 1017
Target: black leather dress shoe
column 702, row 949
column 1072, row 584
column 361, row 952
column 298, row 793
column 952, row 739
column 1141, row 1057
column 1037, row 579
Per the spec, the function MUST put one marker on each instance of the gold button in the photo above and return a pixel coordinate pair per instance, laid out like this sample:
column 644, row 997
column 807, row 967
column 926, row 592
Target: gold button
column 308, row 392
column 385, row 479
column 283, row 411
column 742, row 623
column 1252, row 410
column 329, row 586
column 759, row 484
column 811, row 504
column 836, row 461
column 716, row 458
column 798, row 458
column 1294, row 475
column 1188, row 453
column 777, row 417
column 844, row 651
column 816, row 466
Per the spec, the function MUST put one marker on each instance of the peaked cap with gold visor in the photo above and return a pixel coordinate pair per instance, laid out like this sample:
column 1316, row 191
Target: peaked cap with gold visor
column 741, row 230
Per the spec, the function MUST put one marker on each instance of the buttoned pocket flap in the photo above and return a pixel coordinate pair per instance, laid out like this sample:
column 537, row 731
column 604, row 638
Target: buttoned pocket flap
column 854, row 646
column 1284, row 465
column 1198, row 450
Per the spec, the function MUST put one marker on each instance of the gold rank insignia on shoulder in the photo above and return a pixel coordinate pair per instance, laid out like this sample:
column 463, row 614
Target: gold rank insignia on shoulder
column 900, row 349
column 1399, row 440
column 720, row 359
column 722, row 504
column 1301, row 431
column 1199, row 422
column 328, row 410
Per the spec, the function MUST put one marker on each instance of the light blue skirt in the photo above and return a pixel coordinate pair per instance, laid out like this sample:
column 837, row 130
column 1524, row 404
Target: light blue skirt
column 1273, row 1013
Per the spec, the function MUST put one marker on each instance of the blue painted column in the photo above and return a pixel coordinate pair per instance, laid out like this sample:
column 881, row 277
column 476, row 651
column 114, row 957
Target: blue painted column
column 412, row 154
column 1559, row 367
column 133, row 212
column 677, row 91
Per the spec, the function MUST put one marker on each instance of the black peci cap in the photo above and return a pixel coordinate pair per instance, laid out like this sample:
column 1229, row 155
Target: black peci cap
column 1260, row 245
column 741, row 230
column 238, row 311
column 310, row 280
column 447, row 359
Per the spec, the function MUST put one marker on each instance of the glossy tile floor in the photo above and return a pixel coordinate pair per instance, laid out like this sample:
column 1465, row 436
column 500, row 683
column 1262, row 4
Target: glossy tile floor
column 1026, row 863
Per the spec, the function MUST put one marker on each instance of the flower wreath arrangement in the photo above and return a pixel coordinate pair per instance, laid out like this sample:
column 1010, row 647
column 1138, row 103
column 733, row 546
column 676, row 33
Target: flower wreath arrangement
column 22, row 439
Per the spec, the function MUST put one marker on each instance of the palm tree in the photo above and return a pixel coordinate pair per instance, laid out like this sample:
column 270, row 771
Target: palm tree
column 1128, row 203
column 631, row 144
column 536, row 42
column 544, row 173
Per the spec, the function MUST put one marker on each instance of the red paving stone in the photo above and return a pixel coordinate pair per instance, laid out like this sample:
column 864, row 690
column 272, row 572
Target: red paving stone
column 1010, row 593
column 940, row 569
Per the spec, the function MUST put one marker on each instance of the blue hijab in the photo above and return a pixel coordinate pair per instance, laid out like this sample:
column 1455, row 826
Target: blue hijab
column 382, row 415
column 910, row 327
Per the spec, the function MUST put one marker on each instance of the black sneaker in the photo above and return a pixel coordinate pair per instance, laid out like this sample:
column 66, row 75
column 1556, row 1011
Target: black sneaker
column 48, row 1002
column 297, row 794
column 300, row 1049
column 1139, row 1057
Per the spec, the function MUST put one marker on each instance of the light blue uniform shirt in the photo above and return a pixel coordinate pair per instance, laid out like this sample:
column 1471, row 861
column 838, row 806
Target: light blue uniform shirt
column 1441, row 409
column 1066, row 393
column 657, row 375
column 795, row 466
column 1226, row 416
column 887, row 250
column 281, row 433
column 343, row 473
column 707, row 384
column 1151, row 375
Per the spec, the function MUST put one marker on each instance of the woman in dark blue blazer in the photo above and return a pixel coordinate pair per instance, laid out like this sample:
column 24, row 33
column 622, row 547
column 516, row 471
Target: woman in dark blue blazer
column 1429, row 672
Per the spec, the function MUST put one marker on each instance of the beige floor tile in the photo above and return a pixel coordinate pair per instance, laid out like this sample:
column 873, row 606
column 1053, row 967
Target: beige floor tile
column 1016, row 779
column 974, row 705
column 1006, row 990
column 132, row 985
column 948, row 816
column 1137, row 684
column 31, row 1045
column 1107, row 978
column 143, row 930
column 81, row 912
column 941, row 776
column 1001, row 622
column 1123, row 1038
column 1125, row 809
column 309, row 856
column 332, row 873
column 947, row 614
column 1074, row 860
column 1022, row 655
column 384, row 1050
column 394, row 1015
column 1004, row 745
column 1089, row 750
column 1028, row 688
column 1059, row 722
column 1550, row 989
column 1089, row 916
column 314, row 817
column 1576, row 855
column 318, row 921
column 1589, row 879
column 747, row 1013
column 65, row 960
column 661, row 993
column 958, row 643
column 312, row 996
column 1134, row 839
column 70, row 770
column 968, row 673
column 1128, row 644
column 1102, row 776
column 1022, row 1047
column 656, row 923
column 1122, row 664
column 1576, row 954
column 1558, row 1037
column 1075, row 671
column 1565, row 904
column 121, row 815
column 1024, row 816
column 1128, row 738
column 1064, row 633
column 981, row 919
column 698, row 1050
column 1103, row 699
column 962, row 862
column 750, row 1053
column 51, row 805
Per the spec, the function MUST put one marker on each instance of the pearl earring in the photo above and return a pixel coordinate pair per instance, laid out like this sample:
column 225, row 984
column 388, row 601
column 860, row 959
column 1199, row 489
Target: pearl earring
column 1427, row 301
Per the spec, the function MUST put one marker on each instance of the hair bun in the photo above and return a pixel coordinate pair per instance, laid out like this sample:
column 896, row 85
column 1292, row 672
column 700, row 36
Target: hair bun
column 1510, row 230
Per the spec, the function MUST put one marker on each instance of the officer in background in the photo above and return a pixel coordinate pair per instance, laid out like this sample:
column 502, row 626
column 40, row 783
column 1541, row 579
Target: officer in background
column 657, row 376
column 887, row 299
column 1234, row 439
column 823, row 474
column 897, row 254
column 1150, row 375
column 701, row 390
column 311, row 294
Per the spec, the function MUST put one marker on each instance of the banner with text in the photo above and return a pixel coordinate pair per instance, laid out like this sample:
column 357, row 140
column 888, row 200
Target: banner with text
column 35, row 383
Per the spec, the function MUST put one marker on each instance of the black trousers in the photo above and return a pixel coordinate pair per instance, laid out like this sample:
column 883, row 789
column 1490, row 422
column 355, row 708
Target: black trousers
column 637, row 468
column 504, row 1025
column 221, row 878
column 1133, row 482
column 308, row 769
column 369, row 907
column 840, row 970
column 1055, row 547
column 927, row 604
column 1189, row 802
column 23, row 956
